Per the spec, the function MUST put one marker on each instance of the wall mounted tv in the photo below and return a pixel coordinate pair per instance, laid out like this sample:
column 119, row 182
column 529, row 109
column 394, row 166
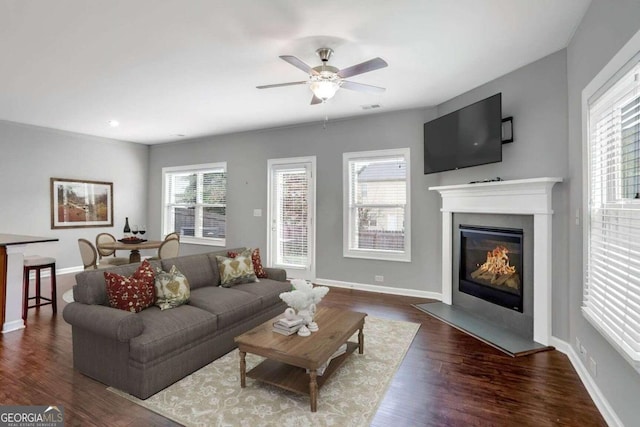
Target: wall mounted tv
column 471, row 136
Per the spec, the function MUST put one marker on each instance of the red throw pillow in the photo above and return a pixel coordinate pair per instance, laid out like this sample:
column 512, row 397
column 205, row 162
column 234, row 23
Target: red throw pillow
column 257, row 262
column 133, row 293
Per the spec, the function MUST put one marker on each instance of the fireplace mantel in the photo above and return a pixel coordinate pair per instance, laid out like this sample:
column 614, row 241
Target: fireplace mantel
column 515, row 197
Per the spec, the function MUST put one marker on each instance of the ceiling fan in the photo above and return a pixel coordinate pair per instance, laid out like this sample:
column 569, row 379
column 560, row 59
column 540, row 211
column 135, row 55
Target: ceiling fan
column 325, row 80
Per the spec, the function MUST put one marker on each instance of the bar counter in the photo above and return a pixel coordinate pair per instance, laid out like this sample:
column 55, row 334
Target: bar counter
column 11, row 263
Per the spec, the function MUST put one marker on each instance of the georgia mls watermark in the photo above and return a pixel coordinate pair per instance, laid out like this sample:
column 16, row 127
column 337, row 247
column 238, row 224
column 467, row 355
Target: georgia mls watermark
column 31, row 416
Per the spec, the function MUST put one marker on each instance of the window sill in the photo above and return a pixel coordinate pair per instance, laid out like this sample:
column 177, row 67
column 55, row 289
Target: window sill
column 378, row 255
column 202, row 241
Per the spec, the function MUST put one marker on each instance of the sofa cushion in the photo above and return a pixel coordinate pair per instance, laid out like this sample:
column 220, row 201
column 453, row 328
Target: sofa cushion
column 267, row 290
column 172, row 288
column 228, row 304
column 238, row 269
column 131, row 293
column 170, row 331
column 197, row 268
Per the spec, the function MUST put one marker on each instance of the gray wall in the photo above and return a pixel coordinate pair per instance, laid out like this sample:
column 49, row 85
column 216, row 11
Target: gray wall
column 535, row 95
column 246, row 155
column 606, row 27
column 30, row 155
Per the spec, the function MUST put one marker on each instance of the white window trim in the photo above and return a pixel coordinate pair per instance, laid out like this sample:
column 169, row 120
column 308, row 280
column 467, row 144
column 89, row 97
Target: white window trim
column 189, row 239
column 596, row 87
column 347, row 252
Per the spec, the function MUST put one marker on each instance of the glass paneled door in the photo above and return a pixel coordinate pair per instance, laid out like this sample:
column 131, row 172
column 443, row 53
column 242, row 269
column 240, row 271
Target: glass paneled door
column 291, row 216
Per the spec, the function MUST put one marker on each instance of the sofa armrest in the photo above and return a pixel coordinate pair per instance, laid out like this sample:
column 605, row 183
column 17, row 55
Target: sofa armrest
column 106, row 321
column 278, row 274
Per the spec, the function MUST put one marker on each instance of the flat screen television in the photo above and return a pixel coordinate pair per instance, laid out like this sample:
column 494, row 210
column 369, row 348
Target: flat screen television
column 471, row 136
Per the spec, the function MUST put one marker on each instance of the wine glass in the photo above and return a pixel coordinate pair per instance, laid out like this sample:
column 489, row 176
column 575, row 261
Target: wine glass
column 134, row 230
column 142, row 229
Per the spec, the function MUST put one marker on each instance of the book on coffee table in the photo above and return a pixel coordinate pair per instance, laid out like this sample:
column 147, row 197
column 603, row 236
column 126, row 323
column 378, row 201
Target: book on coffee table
column 285, row 330
column 288, row 323
column 339, row 352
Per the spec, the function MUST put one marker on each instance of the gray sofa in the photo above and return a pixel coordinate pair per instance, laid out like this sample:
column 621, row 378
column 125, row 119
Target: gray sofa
column 142, row 353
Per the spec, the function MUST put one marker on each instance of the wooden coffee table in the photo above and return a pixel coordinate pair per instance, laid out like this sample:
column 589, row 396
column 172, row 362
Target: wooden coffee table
column 288, row 357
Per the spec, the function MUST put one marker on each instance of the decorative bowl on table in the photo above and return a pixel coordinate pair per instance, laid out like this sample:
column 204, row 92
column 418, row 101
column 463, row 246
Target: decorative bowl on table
column 131, row 240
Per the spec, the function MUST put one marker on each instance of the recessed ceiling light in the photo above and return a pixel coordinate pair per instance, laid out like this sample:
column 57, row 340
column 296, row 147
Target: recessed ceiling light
column 114, row 123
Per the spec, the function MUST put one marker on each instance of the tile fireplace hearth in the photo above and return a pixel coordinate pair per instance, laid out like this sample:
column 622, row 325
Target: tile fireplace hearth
column 515, row 197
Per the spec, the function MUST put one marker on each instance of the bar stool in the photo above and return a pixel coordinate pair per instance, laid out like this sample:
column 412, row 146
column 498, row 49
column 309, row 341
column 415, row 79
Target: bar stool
column 38, row 263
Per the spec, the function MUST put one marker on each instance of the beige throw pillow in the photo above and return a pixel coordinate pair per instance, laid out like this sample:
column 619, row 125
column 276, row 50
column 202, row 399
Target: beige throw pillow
column 172, row 288
column 234, row 271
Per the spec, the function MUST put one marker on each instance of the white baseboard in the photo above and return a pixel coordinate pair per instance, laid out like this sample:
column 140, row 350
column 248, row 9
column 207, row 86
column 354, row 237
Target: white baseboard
column 12, row 326
column 69, row 270
column 592, row 388
column 379, row 289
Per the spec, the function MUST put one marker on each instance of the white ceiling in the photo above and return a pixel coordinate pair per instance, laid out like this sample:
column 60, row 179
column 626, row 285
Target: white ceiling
column 190, row 67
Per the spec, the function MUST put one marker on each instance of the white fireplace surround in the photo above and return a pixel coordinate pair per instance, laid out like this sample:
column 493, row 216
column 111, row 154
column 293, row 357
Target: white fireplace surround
column 515, row 197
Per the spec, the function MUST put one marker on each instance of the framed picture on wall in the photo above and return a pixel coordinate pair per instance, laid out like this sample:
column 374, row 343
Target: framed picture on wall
column 80, row 203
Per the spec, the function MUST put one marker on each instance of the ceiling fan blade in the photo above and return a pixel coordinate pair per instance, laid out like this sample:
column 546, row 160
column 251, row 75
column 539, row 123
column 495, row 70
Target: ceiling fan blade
column 281, row 84
column 299, row 64
column 365, row 67
column 361, row 87
column 315, row 100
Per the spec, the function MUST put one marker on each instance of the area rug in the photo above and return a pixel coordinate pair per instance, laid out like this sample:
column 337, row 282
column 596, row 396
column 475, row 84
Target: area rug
column 212, row 395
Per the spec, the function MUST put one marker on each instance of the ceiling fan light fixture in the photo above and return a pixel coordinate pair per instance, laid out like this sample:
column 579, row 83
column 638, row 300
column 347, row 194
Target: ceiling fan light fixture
column 323, row 87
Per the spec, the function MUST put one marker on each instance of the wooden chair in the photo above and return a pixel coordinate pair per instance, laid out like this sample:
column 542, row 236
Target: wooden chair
column 173, row 235
column 90, row 255
column 108, row 256
column 37, row 264
column 169, row 248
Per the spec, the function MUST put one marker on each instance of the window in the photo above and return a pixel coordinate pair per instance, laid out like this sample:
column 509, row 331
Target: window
column 612, row 277
column 195, row 203
column 376, row 205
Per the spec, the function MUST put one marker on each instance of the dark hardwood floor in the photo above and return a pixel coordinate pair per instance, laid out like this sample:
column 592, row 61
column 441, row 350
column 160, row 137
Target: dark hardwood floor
column 446, row 379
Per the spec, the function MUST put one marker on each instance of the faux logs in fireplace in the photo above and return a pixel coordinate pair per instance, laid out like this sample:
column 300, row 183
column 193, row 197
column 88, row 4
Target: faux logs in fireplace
column 491, row 264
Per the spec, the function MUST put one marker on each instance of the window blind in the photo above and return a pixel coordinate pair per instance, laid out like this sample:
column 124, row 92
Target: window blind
column 377, row 204
column 292, row 193
column 612, row 288
column 195, row 202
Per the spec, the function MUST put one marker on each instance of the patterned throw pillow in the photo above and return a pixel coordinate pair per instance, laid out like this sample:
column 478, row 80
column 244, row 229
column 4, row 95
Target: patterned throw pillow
column 172, row 288
column 133, row 293
column 234, row 271
column 257, row 262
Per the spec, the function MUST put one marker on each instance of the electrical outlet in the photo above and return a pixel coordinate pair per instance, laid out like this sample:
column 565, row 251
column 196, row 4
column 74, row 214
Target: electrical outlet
column 379, row 278
column 257, row 212
column 578, row 344
column 593, row 367
column 583, row 353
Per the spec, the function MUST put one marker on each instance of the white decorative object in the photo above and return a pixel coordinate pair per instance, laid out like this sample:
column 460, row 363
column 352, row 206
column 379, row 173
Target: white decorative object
column 303, row 298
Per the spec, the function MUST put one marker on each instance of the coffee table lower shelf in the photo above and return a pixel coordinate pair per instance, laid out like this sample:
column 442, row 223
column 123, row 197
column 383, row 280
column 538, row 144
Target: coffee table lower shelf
column 294, row 378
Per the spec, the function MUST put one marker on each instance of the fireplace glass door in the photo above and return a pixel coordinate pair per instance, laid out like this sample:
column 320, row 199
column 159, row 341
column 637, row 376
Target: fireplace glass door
column 491, row 265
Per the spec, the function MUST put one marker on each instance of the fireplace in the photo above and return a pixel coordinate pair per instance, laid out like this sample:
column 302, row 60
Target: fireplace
column 491, row 265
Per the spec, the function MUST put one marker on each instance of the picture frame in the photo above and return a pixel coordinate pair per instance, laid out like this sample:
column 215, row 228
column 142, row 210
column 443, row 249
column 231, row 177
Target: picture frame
column 81, row 203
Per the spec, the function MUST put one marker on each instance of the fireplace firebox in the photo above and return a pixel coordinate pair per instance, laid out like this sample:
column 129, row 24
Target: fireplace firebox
column 491, row 265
